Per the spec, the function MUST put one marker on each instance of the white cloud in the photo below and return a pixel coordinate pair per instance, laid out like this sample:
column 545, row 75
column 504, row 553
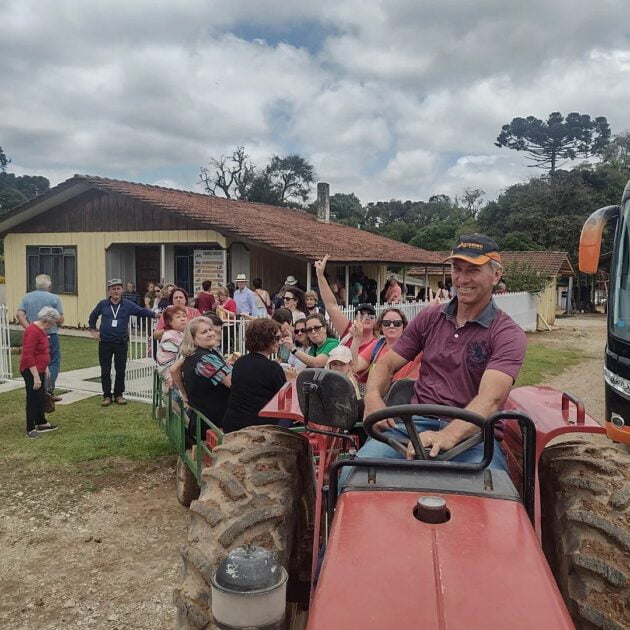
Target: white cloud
column 394, row 99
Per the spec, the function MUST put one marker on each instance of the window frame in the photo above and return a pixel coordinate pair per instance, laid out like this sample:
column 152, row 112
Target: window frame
column 58, row 279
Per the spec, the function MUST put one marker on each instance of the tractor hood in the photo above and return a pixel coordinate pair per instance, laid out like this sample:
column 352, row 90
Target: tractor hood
column 484, row 568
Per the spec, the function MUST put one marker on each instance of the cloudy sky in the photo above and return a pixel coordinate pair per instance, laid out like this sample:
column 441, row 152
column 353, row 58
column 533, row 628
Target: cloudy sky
column 388, row 99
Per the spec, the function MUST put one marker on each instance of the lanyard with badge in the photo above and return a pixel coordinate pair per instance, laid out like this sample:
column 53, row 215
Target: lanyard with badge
column 115, row 314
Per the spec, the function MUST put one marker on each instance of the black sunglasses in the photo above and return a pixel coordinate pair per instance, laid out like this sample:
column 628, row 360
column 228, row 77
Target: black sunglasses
column 278, row 337
column 312, row 329
column 299, row 331
column 397, row 323
column 286, row 298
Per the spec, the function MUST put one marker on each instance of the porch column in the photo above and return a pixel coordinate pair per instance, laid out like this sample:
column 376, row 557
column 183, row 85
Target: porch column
column 444, row 274
column 404, row 281
column 427, row 297
column 378, row 286
column 570, row 295
column 308, row 275
column 162, row 263
column 347, row 286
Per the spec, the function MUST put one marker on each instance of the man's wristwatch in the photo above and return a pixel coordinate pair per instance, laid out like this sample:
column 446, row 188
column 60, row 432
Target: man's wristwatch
column 294, row 350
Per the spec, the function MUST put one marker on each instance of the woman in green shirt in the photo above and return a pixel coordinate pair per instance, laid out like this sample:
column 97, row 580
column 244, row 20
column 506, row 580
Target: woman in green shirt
column 321, row 340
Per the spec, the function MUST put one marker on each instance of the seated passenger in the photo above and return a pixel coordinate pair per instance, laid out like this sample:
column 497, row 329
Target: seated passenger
column 391, row 324
column 202, row 374
column 340, row 360
column 472, row 355
column 175, row 319
column 321, row 341
column 256, row 379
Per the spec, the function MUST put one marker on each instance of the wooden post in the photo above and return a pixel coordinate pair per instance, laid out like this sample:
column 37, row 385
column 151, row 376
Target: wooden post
column 404, row 284
column 426, row 284
column 347, row 286
column 163, row 263
column 308, row 275
column 378, row 285
column 570, row 296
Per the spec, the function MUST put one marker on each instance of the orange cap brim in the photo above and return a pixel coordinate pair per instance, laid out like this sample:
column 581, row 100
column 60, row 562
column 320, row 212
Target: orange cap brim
column 476, row 260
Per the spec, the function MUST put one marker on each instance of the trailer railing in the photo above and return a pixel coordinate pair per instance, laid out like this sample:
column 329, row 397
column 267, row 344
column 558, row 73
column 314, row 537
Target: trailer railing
column 5, row 345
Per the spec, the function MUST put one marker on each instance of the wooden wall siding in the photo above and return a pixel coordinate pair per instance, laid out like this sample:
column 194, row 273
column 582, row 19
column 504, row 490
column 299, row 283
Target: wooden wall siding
column 94, row 211
column 547, row 305
column 91, row 268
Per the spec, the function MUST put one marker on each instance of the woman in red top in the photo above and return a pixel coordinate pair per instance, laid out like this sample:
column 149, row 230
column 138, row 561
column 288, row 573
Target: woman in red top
column 34, row 367
column 391, row 324
column 365, row 312
column 177, row 297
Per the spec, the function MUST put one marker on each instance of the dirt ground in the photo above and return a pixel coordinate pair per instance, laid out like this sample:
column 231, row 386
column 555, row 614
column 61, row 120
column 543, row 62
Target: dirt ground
column 109, row 559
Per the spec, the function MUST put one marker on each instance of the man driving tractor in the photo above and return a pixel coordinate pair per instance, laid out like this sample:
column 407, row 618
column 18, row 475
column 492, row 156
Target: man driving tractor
column 473, row 352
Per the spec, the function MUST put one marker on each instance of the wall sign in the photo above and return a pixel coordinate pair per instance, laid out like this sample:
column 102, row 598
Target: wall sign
column 209, row 264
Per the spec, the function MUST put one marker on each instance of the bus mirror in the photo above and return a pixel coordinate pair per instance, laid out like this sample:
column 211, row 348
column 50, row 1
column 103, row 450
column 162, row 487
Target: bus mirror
column 591, row 237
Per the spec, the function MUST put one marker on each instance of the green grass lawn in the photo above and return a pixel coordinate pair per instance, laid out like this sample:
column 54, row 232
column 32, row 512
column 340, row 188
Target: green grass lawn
column 87, row 432
column 76, row 353
column 542, row 362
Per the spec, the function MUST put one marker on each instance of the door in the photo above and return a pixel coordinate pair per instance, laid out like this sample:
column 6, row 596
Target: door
column 147, row 266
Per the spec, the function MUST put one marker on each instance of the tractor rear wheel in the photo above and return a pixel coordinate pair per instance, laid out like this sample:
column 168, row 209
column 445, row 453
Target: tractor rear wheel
column 260, row 489
column 585, row 502
column 186, row 486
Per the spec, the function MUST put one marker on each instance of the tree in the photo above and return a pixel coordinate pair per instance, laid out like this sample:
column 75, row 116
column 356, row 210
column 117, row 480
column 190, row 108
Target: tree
column 347, row 209
column 291, row 176
column 520, row 276
column 472, row 200
column 232, row 175
column 557, row 138
column 518, row 242
column 617, row 152
column 4, row 161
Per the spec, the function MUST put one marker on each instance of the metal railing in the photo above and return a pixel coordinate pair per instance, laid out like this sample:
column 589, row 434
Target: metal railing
column 5, row 345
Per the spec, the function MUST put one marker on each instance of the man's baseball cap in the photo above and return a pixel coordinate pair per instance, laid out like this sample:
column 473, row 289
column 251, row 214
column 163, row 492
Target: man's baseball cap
column 114, row 282
column 477, row 249
column 365, row 308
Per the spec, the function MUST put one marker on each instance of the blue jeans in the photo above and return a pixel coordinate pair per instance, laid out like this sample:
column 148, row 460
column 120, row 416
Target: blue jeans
column 55, row 360
column 373, row 449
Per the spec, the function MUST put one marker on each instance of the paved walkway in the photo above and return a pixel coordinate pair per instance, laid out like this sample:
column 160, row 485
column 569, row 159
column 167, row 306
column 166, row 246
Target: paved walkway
column 79, row 386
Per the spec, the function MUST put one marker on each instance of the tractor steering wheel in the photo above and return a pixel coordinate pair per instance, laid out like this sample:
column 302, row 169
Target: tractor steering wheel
column 406, row 412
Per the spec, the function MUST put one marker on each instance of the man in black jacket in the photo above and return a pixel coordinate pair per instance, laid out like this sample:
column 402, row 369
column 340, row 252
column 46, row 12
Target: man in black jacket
column 113, row 336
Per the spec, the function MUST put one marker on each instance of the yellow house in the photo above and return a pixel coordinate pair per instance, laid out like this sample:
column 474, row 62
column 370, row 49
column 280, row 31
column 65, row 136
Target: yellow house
column 88, row 229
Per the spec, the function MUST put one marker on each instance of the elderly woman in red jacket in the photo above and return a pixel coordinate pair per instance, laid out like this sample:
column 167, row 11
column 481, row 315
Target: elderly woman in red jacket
column 34, row 367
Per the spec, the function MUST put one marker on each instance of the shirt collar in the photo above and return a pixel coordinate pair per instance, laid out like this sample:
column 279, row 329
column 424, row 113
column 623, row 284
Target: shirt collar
column 485, row 318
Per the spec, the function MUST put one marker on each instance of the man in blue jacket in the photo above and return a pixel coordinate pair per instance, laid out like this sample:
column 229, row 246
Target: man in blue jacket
column 113, row 336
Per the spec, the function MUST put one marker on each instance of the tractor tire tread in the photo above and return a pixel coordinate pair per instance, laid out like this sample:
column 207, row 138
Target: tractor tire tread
column 586, row 532
column 260, row 481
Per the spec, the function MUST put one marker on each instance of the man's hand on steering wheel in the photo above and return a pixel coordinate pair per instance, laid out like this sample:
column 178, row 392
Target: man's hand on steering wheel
column 435, row 440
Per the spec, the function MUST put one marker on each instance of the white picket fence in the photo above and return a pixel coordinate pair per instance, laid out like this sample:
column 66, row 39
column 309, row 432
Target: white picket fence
column 140, row 359
column 5, row 345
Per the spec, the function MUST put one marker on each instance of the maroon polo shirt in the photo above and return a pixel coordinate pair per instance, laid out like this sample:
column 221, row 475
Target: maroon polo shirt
column 454, row 358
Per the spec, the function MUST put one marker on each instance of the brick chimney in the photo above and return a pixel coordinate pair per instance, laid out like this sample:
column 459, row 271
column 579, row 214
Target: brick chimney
column 323, row 202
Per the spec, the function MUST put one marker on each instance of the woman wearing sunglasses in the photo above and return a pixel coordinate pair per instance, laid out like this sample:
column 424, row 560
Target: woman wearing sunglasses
column 321, row 340
column 391, row 324
column 293, row 300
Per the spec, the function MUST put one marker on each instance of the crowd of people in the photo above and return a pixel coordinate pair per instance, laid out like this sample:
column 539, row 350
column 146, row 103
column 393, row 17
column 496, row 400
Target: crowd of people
column 284, row 333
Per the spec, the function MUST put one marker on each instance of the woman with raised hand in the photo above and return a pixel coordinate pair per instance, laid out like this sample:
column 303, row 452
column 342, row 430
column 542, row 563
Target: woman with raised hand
column 340, row 322
column 256, row 378
column 391, row 325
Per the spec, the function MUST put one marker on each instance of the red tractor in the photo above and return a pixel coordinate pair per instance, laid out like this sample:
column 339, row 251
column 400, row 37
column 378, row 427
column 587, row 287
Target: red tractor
column 408, row 544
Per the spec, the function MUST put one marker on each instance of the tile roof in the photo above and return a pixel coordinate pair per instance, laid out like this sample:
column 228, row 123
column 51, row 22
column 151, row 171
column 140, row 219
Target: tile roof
column 284, row 229
column 547, row 262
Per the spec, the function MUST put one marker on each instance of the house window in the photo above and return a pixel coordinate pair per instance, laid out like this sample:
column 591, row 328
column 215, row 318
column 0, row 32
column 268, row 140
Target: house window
column 59, row 262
